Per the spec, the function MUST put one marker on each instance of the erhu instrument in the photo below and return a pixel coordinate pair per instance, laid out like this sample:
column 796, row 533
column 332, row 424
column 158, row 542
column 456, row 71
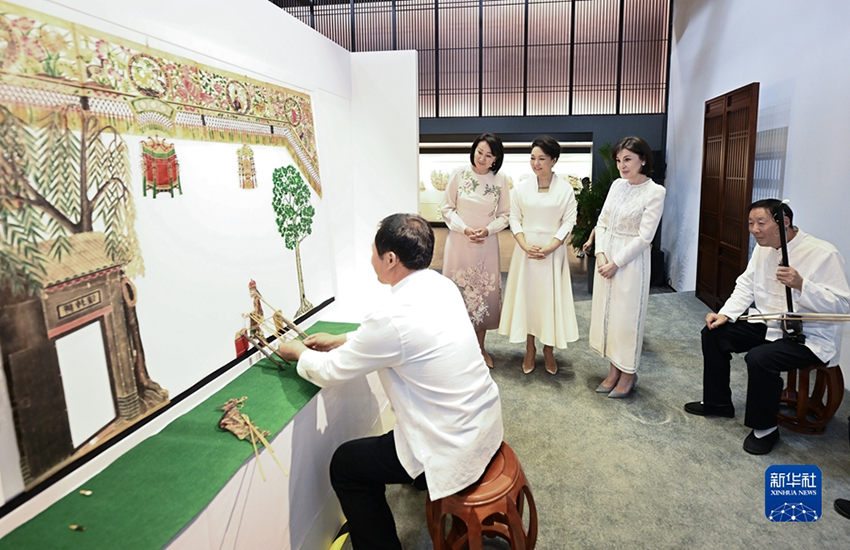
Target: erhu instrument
column 792, row 325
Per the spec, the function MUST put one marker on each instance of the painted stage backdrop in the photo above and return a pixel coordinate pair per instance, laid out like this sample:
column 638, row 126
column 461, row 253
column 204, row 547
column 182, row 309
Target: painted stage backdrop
column 137, row 203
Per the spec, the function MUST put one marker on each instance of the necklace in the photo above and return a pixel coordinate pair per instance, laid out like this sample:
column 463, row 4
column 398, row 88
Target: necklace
column 539, row 187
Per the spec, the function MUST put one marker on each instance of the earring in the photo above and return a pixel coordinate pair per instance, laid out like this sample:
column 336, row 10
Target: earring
column 643, row 164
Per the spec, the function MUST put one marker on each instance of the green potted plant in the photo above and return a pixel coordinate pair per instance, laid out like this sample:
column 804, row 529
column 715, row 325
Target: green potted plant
column 589, row 203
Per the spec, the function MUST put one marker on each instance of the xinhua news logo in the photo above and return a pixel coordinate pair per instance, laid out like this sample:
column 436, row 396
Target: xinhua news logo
column 792, row 493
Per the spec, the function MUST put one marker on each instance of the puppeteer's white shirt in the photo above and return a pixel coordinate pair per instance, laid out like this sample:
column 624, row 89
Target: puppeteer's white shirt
column 426, row 354
column 825, row 290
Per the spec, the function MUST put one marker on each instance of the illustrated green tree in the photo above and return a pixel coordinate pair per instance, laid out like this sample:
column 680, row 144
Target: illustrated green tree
column 291, row 203
column 55, row 182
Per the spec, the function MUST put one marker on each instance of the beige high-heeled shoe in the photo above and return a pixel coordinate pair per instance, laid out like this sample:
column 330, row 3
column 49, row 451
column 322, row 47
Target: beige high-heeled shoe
column 526, row 369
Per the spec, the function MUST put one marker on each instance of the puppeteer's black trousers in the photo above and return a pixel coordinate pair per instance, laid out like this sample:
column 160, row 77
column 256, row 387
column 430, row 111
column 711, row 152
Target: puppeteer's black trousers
column 765, row 360
column 360, row 471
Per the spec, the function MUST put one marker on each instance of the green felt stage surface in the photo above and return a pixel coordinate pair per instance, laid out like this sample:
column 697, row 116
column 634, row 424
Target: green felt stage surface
column 150, row 493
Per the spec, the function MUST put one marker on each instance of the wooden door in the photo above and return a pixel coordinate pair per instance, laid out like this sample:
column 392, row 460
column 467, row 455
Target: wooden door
column 35, row 386
column 728, row 153
column 44, row 435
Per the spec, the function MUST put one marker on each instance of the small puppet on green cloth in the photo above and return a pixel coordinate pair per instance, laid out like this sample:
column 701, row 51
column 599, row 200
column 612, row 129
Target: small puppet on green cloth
column 235, row 422
column 243, row 427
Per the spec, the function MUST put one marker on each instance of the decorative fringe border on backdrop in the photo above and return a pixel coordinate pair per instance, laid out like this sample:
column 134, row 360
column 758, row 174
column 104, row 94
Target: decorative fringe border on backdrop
column 47, row 63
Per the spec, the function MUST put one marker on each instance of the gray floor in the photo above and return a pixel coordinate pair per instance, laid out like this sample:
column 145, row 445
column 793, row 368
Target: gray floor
column 640, row 472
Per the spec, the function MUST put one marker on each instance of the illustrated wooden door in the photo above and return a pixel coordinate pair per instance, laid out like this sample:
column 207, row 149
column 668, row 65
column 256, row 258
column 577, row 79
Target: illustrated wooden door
column 728, row 153
column 34, row 382
column 44, row 435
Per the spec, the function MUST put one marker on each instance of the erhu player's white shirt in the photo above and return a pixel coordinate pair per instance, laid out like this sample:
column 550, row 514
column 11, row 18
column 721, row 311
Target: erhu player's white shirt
column 426, row 354
column 825, row 290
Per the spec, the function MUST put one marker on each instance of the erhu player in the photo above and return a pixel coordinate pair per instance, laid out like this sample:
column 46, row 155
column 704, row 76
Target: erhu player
column 816, row 281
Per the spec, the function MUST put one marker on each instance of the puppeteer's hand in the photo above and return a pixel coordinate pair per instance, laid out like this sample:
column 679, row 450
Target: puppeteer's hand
column 322, row 341
column 292, row 350
column 790, row 277
column 714, row 320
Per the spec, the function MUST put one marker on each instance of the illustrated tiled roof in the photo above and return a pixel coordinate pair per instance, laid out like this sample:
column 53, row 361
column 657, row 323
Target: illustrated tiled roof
column 87, row 255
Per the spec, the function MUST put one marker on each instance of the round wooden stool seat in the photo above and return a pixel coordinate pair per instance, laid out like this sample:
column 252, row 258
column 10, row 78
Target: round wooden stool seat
column 492, row 506
column 811, row 412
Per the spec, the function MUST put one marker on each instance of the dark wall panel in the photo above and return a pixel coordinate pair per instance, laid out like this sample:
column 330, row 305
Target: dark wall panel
column 513, row 57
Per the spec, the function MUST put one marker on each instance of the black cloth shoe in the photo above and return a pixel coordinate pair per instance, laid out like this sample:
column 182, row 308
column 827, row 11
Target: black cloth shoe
column 842, row 506
column 701, row 409
column 761, row 446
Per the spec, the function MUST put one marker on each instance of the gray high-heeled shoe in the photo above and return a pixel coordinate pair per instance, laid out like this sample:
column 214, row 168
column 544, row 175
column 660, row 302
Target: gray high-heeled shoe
column 614, row 394
column 602, row 388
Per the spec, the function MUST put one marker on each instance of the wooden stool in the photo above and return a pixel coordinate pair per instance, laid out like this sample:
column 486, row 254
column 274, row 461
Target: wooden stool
column 492, row 506
column 812, row 412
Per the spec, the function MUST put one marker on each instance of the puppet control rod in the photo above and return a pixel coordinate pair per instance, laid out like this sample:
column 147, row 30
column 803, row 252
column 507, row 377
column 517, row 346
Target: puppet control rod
column 282, row 323
column 280, row 326
column 259, row 341
column 257, row 435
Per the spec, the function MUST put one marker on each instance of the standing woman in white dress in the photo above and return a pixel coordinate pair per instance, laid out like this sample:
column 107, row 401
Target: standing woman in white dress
column 538, row 293
column 476, row 206
column 624, row 233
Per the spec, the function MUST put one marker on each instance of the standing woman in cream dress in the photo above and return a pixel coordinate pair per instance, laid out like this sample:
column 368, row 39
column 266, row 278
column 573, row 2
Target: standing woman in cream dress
column 538, row 294
column 476, row 206
column 624, row 232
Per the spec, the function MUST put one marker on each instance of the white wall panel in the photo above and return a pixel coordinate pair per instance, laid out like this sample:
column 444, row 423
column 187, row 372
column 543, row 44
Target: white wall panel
column 385, row 152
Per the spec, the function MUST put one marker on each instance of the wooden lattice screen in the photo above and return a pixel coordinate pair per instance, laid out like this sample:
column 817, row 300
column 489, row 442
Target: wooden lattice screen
column 729, row 145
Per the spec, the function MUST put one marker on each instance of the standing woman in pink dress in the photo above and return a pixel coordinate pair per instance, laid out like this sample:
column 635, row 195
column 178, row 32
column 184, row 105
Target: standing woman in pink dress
column 476, row 207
